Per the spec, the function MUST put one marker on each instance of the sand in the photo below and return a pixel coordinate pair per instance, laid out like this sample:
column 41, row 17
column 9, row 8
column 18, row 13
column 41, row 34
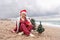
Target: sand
column 50, row 33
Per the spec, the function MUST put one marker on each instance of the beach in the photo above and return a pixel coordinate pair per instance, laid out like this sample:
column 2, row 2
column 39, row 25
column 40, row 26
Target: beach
column 50, row 33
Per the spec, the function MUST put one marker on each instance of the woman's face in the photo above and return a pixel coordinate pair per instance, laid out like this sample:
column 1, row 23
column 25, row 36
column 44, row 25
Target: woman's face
column 23, row 15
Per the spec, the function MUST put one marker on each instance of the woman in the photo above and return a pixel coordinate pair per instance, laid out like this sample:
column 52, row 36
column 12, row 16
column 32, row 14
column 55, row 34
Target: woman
column 23, row 24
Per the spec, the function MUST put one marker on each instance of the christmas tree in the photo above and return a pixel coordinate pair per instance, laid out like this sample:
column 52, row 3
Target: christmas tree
column 33, row 23
column 40, row 29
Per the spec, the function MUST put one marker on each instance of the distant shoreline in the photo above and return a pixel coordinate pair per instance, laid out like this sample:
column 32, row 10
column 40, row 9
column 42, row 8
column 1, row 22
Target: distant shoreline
column 37, row 23
column 48, row 24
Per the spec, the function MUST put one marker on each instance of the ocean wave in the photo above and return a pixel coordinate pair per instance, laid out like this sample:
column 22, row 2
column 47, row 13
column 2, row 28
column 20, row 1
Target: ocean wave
column 48, row 24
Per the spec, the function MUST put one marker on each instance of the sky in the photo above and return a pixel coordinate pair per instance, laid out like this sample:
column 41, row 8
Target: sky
column 47, row 8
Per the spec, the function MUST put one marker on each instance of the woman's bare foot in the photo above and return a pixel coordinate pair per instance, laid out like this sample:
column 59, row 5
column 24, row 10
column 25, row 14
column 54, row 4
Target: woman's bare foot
column 12, row 31
column 20, row 33
column 32, row 35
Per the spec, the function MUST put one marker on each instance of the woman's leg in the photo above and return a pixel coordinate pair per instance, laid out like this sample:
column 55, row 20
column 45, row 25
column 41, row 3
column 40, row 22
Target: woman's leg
column 24, row 29
column 29, row 27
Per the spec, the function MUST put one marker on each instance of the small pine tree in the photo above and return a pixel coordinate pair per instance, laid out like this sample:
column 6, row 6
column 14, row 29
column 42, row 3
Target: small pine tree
column 33, row 23
column 40, row 29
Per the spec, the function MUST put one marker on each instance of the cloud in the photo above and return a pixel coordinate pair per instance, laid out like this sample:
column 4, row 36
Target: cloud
column 47, row 4
column 11, row 8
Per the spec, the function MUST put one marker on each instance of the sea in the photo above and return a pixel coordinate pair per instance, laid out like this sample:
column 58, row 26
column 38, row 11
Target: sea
column 49, row 23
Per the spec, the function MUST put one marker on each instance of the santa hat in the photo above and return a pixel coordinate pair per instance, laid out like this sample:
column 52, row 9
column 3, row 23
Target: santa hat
column 23, row 11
